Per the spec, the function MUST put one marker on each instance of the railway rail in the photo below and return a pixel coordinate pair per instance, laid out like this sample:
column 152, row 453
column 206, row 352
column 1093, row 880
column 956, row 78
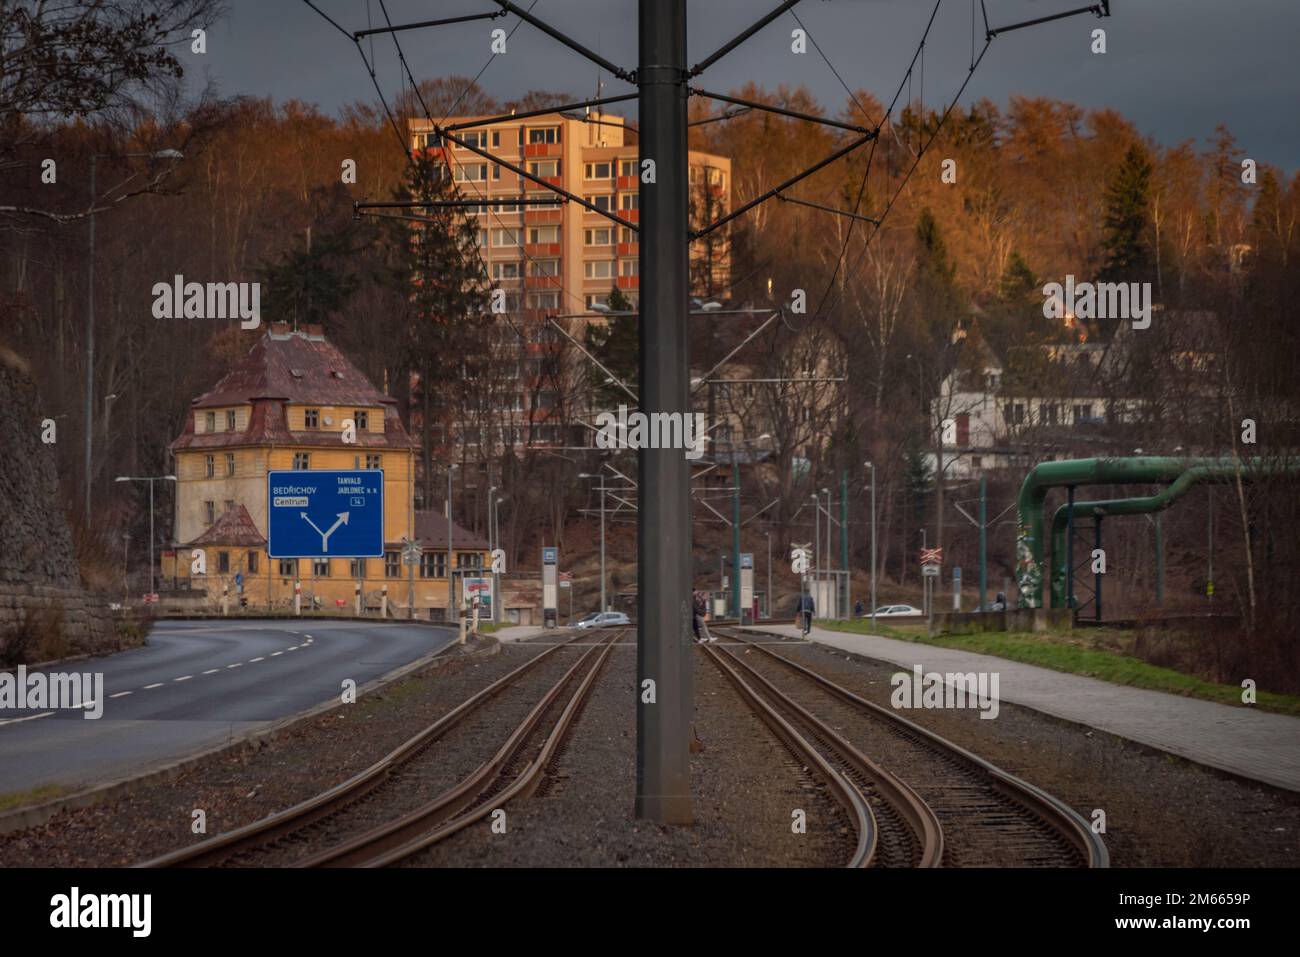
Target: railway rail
column 515, row 770
column 984, row 814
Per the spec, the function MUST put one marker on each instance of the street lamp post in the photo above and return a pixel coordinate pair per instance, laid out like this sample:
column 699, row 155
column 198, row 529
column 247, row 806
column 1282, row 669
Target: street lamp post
column 873, row 543
column 600, row 476
column 451, row 566
column 817, row 539
column 90, row 317
column 150, row 479
column 769, row 573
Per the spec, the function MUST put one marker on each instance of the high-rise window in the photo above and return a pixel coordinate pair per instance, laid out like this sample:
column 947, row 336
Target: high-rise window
column 543, row 234
column 598, row 237
column 545, row 168
column 604, row 202
column 630, row 201
column 598, row 170
column 550, row 134
column 543, row 267
column 599, row 268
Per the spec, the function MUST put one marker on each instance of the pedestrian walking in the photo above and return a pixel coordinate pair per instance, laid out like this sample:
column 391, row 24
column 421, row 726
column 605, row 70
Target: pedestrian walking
column 806, row 609
column 857, row 608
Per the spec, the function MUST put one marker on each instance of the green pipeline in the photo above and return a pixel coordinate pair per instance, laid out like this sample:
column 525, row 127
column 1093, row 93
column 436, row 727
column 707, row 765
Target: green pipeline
column 1140, row 470
column 1223, row 471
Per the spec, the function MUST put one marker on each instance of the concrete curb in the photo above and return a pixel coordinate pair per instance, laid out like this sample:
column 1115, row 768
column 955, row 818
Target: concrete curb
column 33, row 815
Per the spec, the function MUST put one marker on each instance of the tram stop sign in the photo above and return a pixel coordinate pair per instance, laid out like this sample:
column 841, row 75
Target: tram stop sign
column 325, row 513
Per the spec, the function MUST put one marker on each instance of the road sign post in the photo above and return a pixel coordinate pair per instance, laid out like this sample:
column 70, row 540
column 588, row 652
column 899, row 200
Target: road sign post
column 550, row 591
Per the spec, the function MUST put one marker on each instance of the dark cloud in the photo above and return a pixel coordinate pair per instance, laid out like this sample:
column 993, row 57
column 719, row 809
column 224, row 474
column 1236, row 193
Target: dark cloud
column 1175, row 67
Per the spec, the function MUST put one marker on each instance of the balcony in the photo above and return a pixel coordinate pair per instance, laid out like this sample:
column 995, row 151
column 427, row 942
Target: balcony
column 629, row 249
column 556, row 181
column 629, row 282
column 542, row 282
column 543, row 216
column 542, row 250
column 534, row 150
column 629, row 183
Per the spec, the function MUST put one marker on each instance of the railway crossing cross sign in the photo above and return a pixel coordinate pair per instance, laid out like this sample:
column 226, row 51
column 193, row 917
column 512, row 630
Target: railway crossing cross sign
column 325, row 513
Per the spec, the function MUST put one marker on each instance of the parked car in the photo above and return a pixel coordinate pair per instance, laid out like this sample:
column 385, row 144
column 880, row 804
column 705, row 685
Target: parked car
column 607, row 619
column 893, row 611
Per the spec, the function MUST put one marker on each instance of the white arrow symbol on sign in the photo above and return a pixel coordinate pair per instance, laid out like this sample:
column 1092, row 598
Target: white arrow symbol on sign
column 325, row 536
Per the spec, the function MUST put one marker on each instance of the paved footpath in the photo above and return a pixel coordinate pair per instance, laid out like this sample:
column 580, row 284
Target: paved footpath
column 1250, row 743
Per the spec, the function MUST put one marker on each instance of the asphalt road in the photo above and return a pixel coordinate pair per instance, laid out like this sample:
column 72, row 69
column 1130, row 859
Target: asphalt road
column 196, row 684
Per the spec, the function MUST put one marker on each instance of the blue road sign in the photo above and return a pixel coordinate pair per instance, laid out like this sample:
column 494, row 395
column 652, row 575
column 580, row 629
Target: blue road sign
column 239, row 579
column 550, row 555
column 325, row 513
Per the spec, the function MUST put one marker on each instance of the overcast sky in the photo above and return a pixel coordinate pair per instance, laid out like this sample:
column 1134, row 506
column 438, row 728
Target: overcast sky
column 1175, row 67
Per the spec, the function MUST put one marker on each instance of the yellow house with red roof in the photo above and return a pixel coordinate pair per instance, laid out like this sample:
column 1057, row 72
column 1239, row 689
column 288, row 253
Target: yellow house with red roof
column 284, row 406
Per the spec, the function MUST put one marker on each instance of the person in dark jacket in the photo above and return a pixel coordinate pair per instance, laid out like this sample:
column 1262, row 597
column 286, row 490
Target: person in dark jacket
column 807, row 607
column 857, row 608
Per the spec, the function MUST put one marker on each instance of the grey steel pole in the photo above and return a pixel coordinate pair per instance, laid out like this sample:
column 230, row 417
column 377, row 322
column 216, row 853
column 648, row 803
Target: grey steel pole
column 90, row 343
column 769, row 575
column 844, row 543
column 984, row 546
column 153, row 587
column 451, row 568
column 602, row 543
column 817, row 536
column 664, row 654
column 735, row 538
column 873, row 543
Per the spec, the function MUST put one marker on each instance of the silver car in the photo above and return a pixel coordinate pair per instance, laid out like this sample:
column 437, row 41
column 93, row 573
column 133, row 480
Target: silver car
column 608, row 619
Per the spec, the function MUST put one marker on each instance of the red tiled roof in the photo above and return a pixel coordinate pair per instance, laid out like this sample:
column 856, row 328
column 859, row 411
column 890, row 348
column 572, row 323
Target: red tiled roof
column 431, row 532
column 295, row 367
column 286, row 366
column 234, row 527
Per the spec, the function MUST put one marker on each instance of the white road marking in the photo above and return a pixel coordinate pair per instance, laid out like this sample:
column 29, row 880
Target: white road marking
column 120, row 694
column 274, row 653
column 212, row 671
column 251, row 660
column 235, row 665
column 293, row 648
column 30, row 717
column 156, row 684
column 183, row 678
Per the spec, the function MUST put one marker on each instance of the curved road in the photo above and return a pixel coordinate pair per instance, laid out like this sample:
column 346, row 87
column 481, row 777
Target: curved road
column 196, row 684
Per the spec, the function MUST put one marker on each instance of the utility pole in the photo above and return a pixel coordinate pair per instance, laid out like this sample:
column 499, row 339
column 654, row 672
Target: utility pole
column 984, row 561
column 90, row 348
column 847, row 611
column 451, row 567
column 817, row 542
column 735, row 537
column 664, row 654
column 769, row 574
column 871, row 465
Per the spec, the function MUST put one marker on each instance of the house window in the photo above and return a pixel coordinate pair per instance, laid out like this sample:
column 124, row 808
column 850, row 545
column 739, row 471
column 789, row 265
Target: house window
column 374, row 460
column 289, row 568
column 230, row 464
column 393, row 564
column 963, row 430
column 433, row 565
column 545, row 168
column 598, row 268
column 630, row 201
column 598, row 170
column 311, row 418
column 357, row 568
column 976, row 461
column 229, row 505
column 362, row 419
column 472, row 173
column 598, row 237
column 550, row 134
column 469, row 560
column 223, row 562
column 601, row 300
column 1082, row 413
column 209, row 421
column 301, row 461
column 715, row 176
column 320, row 567
column 544, row 234
column 209, row 466
column 1014, row 413
column 603, row 202
column 252, row 563
column 474, row 138
column 209, row 512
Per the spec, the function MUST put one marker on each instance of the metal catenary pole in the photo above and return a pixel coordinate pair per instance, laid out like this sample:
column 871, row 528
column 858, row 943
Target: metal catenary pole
column 984, row 563
column 735, row 537
column 663, row 791
column 846, row 610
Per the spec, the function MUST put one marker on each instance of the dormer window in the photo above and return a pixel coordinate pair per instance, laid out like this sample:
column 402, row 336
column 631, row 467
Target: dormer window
column 209, row 421
column 311, row 418
column 362, row 418
column 230, row 420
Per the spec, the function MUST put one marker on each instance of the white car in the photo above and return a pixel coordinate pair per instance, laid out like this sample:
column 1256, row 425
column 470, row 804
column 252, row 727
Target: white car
column 894, row 611
column 607, row 619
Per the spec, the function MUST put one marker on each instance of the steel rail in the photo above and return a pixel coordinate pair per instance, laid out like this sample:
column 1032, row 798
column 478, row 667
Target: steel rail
column 916, row 813
column 845, row 791
column 441, row 817
column 1054, row 812
column 222, row 846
